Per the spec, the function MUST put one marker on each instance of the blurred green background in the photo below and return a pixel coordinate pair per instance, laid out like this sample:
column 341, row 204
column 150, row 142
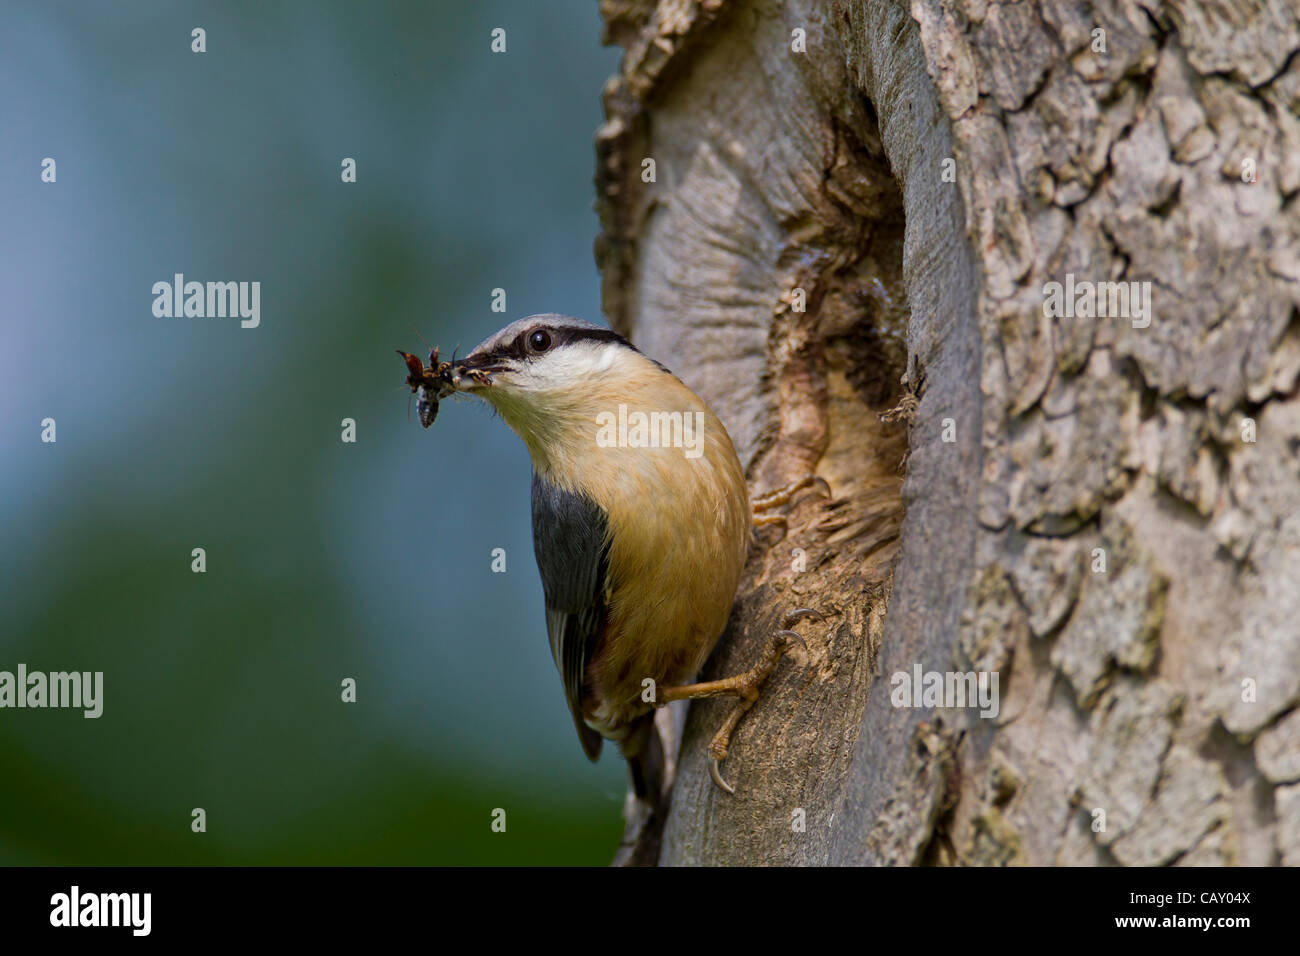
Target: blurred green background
column 325, row 560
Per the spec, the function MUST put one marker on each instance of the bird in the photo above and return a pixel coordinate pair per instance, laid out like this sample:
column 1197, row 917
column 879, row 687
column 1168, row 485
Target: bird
column 642, row 523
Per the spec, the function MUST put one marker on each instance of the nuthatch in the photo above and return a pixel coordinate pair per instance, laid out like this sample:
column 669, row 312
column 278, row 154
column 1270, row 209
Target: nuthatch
column 641, row 524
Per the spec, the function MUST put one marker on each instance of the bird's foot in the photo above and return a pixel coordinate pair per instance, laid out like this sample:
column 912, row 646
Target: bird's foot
column 782, row 497
column 743, row 686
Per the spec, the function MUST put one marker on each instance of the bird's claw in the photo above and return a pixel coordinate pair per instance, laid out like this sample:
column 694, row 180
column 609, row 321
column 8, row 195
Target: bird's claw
column 715, row 771
column 799, row 613
column 744, row 686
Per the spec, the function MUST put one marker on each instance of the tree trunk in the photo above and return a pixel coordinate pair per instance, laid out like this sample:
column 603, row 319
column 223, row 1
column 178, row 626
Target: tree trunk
column 852, row 217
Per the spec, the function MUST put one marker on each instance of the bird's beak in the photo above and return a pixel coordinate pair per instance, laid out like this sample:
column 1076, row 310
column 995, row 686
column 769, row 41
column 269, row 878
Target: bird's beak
column 476, row 372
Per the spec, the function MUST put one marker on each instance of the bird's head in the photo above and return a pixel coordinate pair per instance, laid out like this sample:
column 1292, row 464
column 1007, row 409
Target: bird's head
column 549, row 375
column 538, row 356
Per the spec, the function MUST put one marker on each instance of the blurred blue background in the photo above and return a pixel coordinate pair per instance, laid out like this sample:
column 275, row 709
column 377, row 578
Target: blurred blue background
column 325, row 560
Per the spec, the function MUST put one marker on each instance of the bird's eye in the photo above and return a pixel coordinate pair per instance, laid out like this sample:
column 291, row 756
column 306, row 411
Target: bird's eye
column 540, row 340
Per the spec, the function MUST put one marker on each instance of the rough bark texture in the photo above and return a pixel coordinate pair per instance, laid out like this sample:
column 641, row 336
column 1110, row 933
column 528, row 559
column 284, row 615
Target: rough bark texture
column 1088, row 512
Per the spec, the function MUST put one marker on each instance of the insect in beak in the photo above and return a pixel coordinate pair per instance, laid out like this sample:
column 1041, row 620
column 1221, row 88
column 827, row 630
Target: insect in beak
column 431, row 384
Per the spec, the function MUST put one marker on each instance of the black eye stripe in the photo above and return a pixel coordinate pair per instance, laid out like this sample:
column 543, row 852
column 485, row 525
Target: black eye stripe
column 595, row 335
column 562, row 336
column 518, row 349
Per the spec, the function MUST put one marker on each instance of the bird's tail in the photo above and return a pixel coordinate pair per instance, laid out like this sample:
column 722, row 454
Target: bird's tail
column 651, row 752
column 644, row 751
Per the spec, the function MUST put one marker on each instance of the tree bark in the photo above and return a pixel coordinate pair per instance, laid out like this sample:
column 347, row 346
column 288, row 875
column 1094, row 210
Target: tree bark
column 1104, row 514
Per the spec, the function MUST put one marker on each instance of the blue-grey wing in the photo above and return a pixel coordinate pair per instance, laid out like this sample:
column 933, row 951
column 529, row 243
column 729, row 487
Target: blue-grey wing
column 569, row 539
